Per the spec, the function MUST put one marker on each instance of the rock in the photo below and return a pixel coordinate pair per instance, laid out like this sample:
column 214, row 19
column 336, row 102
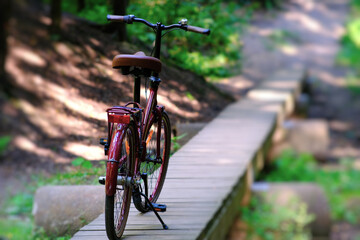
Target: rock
column 311, row 194
column 61, row 210
column 304, row 136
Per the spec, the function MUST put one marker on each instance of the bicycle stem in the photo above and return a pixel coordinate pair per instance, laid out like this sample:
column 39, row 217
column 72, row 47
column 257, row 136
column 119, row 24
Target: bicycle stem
column 159, row 28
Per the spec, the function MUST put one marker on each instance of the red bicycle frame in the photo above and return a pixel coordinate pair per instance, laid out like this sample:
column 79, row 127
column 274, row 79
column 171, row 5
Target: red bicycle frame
column 123, row 116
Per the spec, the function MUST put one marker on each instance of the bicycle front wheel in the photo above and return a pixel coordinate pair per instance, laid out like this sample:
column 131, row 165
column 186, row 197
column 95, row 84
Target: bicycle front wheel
column 157, row 159
column 117, row 206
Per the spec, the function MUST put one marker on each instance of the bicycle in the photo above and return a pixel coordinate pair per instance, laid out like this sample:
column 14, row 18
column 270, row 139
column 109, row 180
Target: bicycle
column 140, row 138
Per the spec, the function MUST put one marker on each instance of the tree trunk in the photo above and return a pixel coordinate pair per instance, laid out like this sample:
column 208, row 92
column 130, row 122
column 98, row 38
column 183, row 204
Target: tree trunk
column 80, row 5
column 119, row 7
column 55, row 13
column 5, row 13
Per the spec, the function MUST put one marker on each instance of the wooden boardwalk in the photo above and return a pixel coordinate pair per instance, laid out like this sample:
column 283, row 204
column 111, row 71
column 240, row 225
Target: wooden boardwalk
column 210, row 175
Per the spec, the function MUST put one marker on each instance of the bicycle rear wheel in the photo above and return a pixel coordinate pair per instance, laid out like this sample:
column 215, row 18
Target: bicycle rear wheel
column 155, row 169
column 117, row 206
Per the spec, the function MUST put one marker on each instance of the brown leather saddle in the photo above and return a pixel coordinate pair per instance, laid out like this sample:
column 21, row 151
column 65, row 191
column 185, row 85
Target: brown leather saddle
column 137, row 64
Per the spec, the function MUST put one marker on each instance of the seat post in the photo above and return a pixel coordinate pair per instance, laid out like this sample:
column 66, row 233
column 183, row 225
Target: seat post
column 137, row 84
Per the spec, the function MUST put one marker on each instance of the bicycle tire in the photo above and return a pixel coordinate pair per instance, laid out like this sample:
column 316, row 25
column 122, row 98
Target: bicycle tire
column 117, row 206
column 156, row 172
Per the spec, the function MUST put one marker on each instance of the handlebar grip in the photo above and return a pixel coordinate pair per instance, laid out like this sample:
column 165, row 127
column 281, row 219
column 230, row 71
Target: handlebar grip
column 198, row 30
column 118, row 18
column 115, row 18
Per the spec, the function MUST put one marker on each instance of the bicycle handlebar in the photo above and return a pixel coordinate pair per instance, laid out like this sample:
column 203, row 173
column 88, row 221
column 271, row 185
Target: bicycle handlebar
column 198, row 30
column 129, row 19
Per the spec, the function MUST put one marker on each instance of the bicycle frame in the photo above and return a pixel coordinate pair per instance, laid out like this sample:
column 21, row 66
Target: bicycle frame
column 152, row 111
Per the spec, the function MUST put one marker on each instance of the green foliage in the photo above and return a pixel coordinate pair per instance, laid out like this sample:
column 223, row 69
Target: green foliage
column 23, row 229
column 84, row 173
column 204, row 55
column 175, row 144
column 270, row 221
column 353, row 83
column 353, row 31
column 190, row 96
column 340, row 185
column 97, row 13
column 4, row 142
column 81, row 162
column 207, row 56
column 355, row 5
column 292, row 167
column 94, row 10
column 18, row 207
column 20, row 204
column 349, row 55
column 15, row 229
column 280, row 38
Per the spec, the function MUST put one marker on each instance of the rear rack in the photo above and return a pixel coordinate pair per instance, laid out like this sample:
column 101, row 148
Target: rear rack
column 122, row 115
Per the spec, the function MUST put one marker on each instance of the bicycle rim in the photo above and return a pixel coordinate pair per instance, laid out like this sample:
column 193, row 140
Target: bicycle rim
column 157, row 171
column 117, row 206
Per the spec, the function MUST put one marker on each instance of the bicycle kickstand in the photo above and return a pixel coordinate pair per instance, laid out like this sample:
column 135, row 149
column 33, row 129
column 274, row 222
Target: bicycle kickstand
column 153, row 206
column 159, row 206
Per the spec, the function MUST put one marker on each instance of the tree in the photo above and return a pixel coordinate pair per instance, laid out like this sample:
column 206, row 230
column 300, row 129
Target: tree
column 119, row 8
column 5, row 13
column 55, row 13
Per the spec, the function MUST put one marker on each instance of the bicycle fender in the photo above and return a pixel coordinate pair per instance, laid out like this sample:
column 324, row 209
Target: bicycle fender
column 113, row 163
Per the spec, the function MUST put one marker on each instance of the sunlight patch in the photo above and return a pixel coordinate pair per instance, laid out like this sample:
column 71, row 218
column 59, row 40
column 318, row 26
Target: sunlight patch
column 63, row 50
column 289, row 50
column 90, row 152
column 28, row 145
column 28, row 56
column 171, row 106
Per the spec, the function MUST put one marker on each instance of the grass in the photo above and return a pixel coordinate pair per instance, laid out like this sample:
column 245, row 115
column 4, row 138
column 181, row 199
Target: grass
column 353, row 84
column 175, row 145
column 4, row 142
column 16, row 221
column 268, row 221
column 349, row 54
column 281, row 38
column 15, row 229
column 341, row 186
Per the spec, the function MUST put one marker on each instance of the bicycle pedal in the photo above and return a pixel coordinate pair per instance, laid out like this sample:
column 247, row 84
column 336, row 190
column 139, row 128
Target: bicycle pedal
column 159, row 207
column 103, row 141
